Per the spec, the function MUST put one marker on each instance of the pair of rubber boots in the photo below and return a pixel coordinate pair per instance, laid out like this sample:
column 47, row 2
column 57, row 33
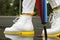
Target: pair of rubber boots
column 24, row 23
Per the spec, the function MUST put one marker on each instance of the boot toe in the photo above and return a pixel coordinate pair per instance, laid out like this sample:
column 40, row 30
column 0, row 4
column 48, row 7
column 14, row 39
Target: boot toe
column 7, row 29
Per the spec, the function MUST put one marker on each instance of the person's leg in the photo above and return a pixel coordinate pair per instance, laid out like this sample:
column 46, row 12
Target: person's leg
column 28, row 6
column 24, row 23
column 55, row 22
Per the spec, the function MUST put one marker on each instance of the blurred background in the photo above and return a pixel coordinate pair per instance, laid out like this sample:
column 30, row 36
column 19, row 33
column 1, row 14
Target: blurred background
column 11, row 8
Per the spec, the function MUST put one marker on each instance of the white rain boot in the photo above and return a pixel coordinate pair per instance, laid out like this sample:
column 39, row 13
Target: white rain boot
column 55, row 22
column 24, row 23
column 55, row 26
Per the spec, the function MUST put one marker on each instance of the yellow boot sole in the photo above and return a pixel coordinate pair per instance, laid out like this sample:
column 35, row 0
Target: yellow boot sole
column 21, row 33
column 31, row 34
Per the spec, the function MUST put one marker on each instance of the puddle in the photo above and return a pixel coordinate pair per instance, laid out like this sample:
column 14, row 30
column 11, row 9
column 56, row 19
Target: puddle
column 17, row 37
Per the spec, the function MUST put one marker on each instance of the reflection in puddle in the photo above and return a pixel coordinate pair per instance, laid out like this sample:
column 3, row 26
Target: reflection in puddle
column 16, row 37
column 50, row 39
